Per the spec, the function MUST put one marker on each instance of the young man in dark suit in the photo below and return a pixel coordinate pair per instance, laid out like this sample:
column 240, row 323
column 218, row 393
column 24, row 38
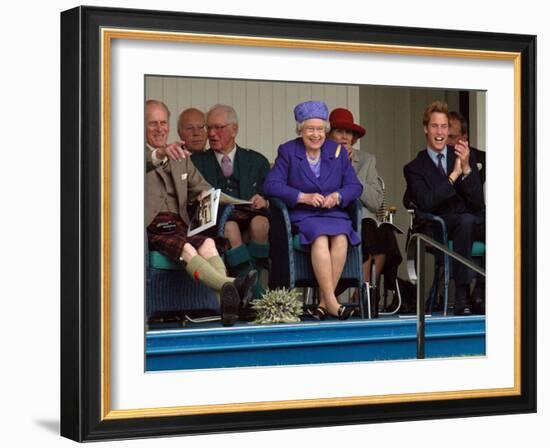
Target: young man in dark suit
column 444, row 180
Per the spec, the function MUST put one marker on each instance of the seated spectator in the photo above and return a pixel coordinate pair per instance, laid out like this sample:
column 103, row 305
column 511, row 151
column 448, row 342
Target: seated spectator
column 169, row 188
column 314, row 177
column 238, row 172
column 444, row 180
column 458, row 130
column 192, row 129
column 378, row 244
column 157, row 128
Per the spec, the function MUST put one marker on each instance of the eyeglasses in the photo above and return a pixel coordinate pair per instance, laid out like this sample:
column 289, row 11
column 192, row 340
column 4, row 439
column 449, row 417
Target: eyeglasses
column 312, row 129
column 217, row 127
column 194, row 128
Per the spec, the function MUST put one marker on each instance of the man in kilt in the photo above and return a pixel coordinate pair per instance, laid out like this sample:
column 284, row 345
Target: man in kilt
column 170, row 187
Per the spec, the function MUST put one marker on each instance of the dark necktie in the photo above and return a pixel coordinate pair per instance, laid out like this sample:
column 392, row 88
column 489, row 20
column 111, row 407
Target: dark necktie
column 440, row 165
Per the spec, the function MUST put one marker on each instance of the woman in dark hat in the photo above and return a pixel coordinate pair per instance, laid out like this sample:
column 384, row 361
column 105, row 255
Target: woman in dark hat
column 379, row 244
column 314, row 177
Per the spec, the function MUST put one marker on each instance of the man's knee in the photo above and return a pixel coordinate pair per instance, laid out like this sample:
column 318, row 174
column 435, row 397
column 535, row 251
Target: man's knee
column 188, row 252
column 259, row 227
column 233, row 233
column 208, row 249
column 467, row 219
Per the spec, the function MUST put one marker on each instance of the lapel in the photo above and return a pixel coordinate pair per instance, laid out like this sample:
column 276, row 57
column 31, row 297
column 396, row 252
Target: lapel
column 355, row 160
column 451, row 157
column 243, row 161
column 430, row 167
column 327, row 162
column 177, row 170
column 211, row 167
column 300, row 153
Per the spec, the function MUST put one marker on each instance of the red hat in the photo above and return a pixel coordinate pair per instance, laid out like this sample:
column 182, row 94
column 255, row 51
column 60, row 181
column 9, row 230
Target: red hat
column 341, row 118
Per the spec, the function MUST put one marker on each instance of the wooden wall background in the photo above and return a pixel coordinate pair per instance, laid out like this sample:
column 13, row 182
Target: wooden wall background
column 265, row 109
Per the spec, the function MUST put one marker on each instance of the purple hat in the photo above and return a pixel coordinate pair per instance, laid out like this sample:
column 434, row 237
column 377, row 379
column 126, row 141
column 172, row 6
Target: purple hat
column 310, row 109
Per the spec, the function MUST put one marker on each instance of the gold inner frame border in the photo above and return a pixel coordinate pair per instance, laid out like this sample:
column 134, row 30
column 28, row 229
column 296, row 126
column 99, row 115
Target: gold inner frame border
column 109, row 34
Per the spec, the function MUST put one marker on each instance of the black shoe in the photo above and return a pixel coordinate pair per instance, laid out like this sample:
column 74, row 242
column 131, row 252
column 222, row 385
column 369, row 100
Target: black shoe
column 319, row 313
column 345, row 312
column 247, row 313
column 462, row 310
column 461, row 302
column 244, row 286
column 229, row 304
column 375, row 302
column 477, row 301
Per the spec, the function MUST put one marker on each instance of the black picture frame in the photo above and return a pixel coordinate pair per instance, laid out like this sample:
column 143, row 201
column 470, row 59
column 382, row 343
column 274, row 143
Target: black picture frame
column 84, row 405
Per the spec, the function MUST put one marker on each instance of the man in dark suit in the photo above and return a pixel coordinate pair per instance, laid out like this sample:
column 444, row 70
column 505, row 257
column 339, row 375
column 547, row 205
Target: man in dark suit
column 444, row 180
column 238, row 172
column 458, row 130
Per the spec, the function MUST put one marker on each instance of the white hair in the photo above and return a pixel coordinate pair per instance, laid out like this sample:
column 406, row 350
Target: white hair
column 230, row 113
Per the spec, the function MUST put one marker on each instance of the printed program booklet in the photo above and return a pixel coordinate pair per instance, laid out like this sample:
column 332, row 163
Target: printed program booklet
column 206, row 212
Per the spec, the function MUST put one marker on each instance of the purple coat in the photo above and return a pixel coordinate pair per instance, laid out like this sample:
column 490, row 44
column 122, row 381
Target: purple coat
column 292, row 175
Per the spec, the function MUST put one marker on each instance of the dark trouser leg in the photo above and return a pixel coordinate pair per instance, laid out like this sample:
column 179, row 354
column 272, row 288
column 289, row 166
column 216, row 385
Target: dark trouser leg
column 259, row 254
column 463, row 229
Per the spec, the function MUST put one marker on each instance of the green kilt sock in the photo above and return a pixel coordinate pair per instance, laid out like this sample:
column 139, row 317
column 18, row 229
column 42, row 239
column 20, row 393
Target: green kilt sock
column 201, row 270
column 259, row 254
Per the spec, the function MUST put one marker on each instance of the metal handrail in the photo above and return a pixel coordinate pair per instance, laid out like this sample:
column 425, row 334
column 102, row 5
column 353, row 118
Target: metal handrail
column 415, row 267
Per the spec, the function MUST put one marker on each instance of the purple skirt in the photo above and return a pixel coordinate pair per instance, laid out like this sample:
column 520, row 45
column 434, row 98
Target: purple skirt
column 313, row 227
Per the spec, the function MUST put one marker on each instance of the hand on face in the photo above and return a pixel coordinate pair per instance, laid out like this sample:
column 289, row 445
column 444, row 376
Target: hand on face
column 349, row 149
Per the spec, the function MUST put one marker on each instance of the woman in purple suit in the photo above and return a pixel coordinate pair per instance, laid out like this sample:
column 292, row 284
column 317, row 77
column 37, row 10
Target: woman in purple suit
column 314, row 177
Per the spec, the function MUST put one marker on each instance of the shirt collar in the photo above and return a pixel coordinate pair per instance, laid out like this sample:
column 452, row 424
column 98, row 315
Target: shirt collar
column 231, row 155
column 433, row 154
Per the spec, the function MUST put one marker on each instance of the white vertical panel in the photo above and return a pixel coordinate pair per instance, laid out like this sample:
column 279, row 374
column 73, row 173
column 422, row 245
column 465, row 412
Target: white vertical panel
column 340, row 97
column 184, row 93
column 251, row 128
column 198, row 93
column 292, row 93
column 477, row 122
column 225, row 93
column 318, row 92
column 304, row 93
column 281, row 132
column 154, row 88
column 352, row 97
column 170, row 98
column 265, row 98
column 211, row 94
column 238, row 102
column 331, row 97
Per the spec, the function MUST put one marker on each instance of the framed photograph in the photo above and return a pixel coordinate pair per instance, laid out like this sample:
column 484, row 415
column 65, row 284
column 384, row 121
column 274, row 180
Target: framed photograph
column 113, row 60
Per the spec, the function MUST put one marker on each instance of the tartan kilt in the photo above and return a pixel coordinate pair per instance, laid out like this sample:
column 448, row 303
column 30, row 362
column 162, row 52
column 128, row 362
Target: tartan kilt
column 167, row 234
column 243, row 214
